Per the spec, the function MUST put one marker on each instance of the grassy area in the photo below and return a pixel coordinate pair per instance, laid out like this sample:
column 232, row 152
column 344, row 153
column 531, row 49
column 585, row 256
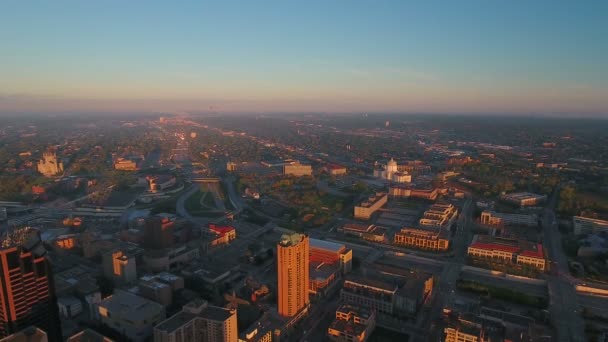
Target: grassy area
column 254, row 218
column 208, row 200
column 193, row 203
column 165, row 206
column 502, row 294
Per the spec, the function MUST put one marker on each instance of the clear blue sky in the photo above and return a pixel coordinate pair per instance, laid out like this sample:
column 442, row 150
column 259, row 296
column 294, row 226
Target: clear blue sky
column 426, row 56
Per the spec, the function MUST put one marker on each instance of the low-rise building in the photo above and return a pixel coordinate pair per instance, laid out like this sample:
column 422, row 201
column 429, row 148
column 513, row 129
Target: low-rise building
column 508, row 251
column 336, row 170
column 331, row 253
column 198, row 321
column 29, row 334
column 439, row 216
column 231, row 166
column 160, row 182
column 402, row 177
column 524, row 199
column 131, row 315
column 388, row 290
column 470, row 328
column 367, row 232
column 120, row 267
column 297, row 169
column 49, row 165
column 404, row 191
column 370, row 206
column 168, row 259
column 587, row 225
column 352, row 324
column 444, row 176
column 374, row 293
column 218, row 235
column 492, row 218
column 435, row 239
column 124, row 164
column 88, row 335
column 414, row 287
column 323, row 278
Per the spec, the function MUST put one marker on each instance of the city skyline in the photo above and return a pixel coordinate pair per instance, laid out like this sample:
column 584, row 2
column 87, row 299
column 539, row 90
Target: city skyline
column 469, row 57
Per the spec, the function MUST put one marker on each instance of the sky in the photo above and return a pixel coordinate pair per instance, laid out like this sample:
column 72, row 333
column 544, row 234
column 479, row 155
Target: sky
column 305, row 56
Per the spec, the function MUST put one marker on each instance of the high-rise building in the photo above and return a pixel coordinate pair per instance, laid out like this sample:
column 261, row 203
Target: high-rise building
column 27, row 296
column 158, row 233
column 293, row 273
column 198, row 321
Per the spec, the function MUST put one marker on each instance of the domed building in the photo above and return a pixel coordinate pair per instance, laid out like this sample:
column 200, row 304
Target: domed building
column 390, row 171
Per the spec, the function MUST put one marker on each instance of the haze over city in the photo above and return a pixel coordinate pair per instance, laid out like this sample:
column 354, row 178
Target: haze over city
column 298, row 171
column 541, row 57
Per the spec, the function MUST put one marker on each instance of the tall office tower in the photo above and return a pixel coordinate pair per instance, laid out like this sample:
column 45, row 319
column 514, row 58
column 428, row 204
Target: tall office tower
column 158, row 233
column 293, row 273
column 27, row 296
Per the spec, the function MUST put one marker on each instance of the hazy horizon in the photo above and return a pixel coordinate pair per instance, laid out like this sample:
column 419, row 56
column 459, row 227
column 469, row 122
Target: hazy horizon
column 474, row 57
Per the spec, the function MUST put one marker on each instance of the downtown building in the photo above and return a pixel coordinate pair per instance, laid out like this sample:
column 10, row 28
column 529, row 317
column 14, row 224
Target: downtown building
column 366, row 209
column 588, row 225
column 27, row 295
column 130, row 315
column 352, row 324
column 508, row 251
column 524, row 199
column 198, row 321
column 158, row 232
column 329, row 261
column 439, row 216
column 434, row 239
column 389, row 291
column 492, row 218
column 293, row 274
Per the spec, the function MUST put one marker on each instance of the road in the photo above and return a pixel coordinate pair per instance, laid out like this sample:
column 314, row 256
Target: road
column 563, row 304
column 233, row 196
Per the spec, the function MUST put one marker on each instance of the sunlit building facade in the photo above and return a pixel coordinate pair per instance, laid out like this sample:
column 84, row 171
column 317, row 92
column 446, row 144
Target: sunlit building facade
column 293, row 273
column 27, row 297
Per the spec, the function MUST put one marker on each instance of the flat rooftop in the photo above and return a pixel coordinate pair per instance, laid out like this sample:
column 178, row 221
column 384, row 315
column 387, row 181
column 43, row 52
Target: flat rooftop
column 125, row 304
column 522, row 247
column 174, row 322
column 326, row 245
